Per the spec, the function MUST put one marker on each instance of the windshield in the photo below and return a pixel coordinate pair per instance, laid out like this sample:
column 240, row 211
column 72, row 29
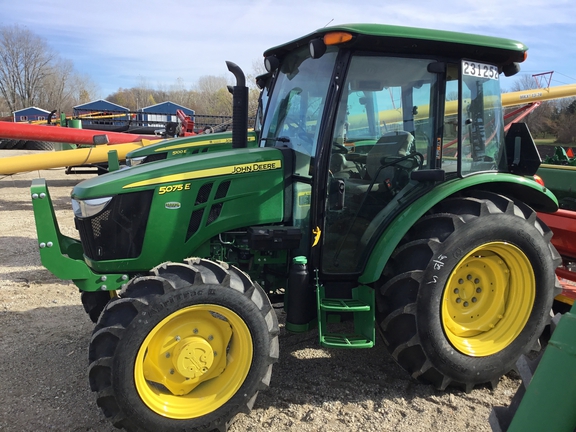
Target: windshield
column 297, row 103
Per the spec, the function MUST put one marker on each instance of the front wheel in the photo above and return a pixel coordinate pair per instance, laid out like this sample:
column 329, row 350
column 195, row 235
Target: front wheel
column 184, row 349
column 94, row 302
column 469, row 290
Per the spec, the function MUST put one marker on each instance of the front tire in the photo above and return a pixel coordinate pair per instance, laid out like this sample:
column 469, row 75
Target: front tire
column 94, row 303
column 184, row 349
column 468, row 291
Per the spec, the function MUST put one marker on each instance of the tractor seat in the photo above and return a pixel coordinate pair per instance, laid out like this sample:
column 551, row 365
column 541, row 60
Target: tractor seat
column 391, row 144
column 339, row 166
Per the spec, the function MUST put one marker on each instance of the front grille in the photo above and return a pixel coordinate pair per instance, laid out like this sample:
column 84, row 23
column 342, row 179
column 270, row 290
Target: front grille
column 194, row 224
column 222, row 190
column 214, row 213
column 117, row 231
column 204, row 193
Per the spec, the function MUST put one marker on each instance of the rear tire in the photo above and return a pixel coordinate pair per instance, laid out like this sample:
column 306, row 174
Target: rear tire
column 468, row 291
column 9, row 144
column 38, row 145
column 183, row 349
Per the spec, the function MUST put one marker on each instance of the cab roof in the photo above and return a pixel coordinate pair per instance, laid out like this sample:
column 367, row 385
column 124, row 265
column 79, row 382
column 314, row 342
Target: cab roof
column 410, row 40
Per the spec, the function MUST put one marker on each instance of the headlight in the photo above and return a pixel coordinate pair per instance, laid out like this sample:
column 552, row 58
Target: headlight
column 135, row 161
column 90, row 207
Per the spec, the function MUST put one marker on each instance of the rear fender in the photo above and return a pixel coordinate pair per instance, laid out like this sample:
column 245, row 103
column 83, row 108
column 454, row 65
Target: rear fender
column 522, row 188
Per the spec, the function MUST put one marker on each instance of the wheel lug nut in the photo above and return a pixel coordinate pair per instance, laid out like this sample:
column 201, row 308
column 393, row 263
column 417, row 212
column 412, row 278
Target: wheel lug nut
column 167, row 355
column 474, row 299
column 476, row 281
column 171, row 371
column 210, row 337
column 460, row 281
column 177, row 338
column 195, row 331
column 465, row 304
column 458, row 300
column 469, row 277
column 456, row 290
column 478, row 290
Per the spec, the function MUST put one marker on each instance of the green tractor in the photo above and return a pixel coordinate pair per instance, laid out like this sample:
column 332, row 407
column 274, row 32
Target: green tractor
column 382, row 195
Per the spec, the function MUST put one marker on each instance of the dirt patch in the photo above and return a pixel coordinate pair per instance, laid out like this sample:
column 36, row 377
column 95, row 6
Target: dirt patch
column 44, row 335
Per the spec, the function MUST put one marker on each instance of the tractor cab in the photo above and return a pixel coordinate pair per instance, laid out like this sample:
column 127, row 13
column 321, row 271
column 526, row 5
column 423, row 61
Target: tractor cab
column 374, row 124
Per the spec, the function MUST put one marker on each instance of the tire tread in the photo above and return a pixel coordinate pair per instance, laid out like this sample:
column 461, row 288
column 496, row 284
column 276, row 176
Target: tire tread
column 166, row 277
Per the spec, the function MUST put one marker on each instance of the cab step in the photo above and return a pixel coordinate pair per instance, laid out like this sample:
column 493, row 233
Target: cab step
column 361, row 306
column 343, row 340
column 343, row 305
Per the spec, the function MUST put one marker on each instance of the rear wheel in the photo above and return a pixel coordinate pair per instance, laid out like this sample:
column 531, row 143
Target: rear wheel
column 10, row 144
column 469, row 290
column 38, row 145
column 185, row 348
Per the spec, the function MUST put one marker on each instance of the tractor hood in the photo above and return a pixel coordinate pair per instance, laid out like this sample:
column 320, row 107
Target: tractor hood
column 171, row 209
column 165, row 173
column 185, row 146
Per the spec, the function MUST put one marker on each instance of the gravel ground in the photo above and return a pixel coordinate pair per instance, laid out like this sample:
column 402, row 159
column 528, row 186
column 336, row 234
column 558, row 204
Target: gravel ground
column 44, row 335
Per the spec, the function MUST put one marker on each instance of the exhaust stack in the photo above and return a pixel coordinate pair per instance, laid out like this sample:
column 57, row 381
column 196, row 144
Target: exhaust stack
column 239, row 108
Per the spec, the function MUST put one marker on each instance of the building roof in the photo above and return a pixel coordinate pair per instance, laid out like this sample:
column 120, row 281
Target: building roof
column 32, row 108
column 101, row 104
column 167, row 107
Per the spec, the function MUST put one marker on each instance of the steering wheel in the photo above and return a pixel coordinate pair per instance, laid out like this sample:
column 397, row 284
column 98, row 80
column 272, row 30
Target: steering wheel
column 404, row 165
column 339, row 148
column 299, row 130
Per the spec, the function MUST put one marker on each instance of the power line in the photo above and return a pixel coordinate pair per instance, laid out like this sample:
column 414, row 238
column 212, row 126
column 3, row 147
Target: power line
column 560, row 82
column 559, row 73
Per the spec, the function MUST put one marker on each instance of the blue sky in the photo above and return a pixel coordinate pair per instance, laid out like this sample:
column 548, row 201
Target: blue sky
column 123, row 43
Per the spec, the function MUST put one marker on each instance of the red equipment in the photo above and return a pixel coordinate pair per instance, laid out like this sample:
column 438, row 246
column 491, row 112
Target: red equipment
column 21, row 131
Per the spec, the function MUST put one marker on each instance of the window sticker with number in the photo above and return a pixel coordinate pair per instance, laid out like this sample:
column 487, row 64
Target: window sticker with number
column 480, row 70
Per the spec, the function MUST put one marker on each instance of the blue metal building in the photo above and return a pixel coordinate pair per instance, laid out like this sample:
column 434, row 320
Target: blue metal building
column 118, row 114
column 159, row 114
column 30, row 114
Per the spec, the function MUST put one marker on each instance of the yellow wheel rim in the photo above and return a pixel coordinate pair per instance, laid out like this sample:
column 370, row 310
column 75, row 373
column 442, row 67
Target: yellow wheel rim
column 193, row 361
column 488, row 299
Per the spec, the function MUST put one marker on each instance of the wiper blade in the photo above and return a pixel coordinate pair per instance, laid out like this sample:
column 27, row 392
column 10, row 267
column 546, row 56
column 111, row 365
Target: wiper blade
column 282, row 139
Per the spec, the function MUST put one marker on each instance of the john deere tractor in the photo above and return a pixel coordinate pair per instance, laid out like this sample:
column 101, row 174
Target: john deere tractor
column 383, row 195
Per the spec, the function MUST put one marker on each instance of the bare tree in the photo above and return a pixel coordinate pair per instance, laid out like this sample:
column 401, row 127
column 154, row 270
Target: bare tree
column 524, row 82
column 538, row 121
column 211, row 83
column 565, row 121
column 257, row 70
column 31, row 74
column 84, row 90
column 212, row 97
column 25, row 61
column 178, row 93
column 54, row 91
